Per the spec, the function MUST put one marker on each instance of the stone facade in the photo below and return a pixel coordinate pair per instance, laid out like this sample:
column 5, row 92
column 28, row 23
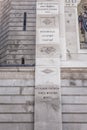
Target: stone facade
column 18, row 25
column 43, row 73
column 17, row 98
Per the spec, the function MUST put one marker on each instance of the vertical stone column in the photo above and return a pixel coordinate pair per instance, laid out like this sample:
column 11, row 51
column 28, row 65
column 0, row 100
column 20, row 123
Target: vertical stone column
column 62, row 30
column 72, row 31
column 47, row 71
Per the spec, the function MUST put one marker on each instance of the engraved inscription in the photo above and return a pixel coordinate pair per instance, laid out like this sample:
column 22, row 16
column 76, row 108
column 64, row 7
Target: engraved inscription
column 48, row 36
column 47, row 93
column 47, row 7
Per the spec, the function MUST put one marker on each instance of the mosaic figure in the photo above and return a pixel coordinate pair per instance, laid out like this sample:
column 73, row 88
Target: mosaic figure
column 83, row 23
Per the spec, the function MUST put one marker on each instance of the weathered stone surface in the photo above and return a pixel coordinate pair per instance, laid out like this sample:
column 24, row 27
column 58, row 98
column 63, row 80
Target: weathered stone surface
column 16, row 126
column 16, row 118
column 16, row 98
column 12, row 24
column 47, row 75
column 74, row 98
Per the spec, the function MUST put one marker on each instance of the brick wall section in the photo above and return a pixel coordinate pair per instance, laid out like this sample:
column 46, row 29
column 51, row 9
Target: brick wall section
column 19, row 43
column 74, row 99
column 16, row 98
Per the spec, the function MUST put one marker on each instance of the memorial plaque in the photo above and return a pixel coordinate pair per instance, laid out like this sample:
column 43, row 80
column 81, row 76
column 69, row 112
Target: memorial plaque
column 47, row 8
column 48, row 36
column 47, row 92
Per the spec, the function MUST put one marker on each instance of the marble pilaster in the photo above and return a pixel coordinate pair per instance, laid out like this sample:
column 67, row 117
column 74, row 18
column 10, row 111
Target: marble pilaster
column 47, row 75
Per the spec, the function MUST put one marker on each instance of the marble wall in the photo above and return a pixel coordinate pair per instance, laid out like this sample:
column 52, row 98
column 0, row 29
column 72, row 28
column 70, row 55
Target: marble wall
column 18, row 25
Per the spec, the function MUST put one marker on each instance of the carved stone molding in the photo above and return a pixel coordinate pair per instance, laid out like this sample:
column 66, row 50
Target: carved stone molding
column 47, row 21
column 47, row 71
column 48, row 50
